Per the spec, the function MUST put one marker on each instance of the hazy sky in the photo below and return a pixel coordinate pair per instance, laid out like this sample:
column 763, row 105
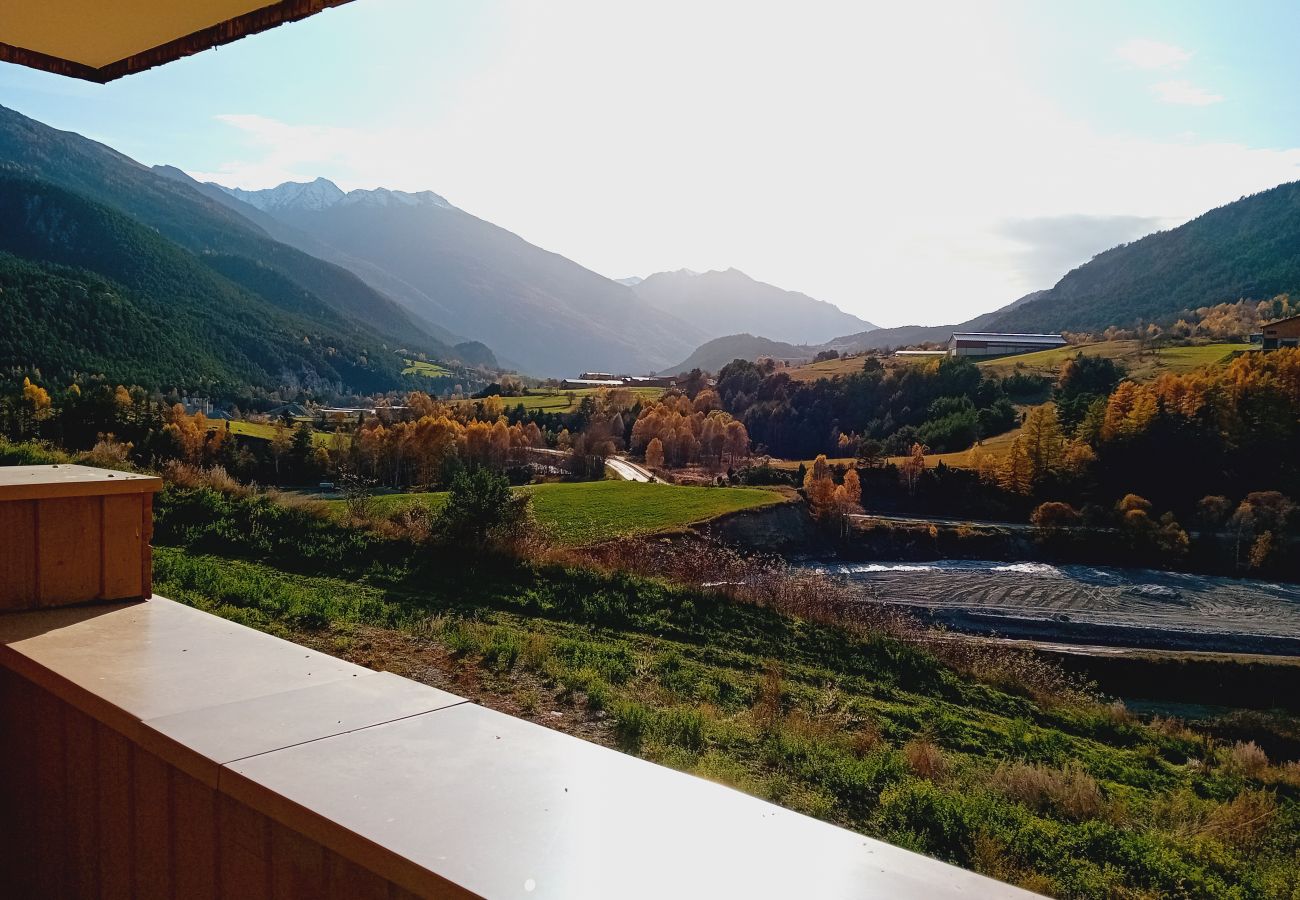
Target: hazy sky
column 913, row 163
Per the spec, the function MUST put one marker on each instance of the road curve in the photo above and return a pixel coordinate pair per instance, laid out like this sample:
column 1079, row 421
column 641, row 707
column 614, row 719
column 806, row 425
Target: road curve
column 630, row 471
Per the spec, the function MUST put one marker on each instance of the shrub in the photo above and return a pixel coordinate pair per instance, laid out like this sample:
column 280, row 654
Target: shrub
column 1055, row 514
column 480, row 507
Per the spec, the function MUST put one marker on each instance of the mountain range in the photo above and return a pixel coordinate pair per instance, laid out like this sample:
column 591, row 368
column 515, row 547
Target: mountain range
column 540, row 312
column 306, row 284
column 1245, row 250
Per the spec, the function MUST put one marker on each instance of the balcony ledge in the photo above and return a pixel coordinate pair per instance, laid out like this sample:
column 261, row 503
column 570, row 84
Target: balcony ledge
column 432, row 793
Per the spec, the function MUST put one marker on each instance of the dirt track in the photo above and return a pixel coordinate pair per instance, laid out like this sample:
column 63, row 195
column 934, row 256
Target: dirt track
column 1090, row 605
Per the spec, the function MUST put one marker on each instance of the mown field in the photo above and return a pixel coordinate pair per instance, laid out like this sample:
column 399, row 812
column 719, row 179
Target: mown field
column 426, row 369
column 568, row 401
column 1141, row 364
column 1061, row 794
column 586, row 511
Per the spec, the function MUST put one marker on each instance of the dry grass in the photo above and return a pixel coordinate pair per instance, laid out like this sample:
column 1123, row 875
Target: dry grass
column 215, row 478
column 1247, row 758
column 925, row 758
column 1244, row 820
column 1070, row 792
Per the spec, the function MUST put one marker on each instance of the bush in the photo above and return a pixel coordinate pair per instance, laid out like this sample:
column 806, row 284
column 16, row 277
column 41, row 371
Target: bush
column 481, row 507
column 1054, row 514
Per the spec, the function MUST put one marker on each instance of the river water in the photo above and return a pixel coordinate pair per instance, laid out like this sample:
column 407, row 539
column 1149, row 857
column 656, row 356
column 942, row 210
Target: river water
column 1088, row 604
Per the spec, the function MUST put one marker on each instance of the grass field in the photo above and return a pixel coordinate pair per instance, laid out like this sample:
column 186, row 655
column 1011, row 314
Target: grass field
column 427, row 369
column 586, row 511
column 1141, row 364
column 827, row 368
column 994, row 446
column 266, row 431
column 567, row 401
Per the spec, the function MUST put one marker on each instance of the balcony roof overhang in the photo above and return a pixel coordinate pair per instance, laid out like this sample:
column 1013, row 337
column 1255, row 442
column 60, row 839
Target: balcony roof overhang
column 101, row 40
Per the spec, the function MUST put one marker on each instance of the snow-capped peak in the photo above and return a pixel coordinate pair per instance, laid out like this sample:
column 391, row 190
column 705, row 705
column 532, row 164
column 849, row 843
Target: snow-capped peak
column 318, row 194
column 323, row 193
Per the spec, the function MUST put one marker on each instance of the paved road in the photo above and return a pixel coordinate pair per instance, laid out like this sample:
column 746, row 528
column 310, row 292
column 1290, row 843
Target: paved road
column 624, row 469
column 630, row 471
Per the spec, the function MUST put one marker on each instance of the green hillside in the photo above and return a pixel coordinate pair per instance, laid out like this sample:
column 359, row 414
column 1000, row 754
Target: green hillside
column 1247, row 249
column 184, row 216
column 1141, row 363
column 152, row 313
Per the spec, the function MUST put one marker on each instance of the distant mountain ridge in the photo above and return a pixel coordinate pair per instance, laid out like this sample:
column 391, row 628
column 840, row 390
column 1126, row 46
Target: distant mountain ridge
column 541, row 312
column 908, row 335
column 323, row 193
column 722, row 302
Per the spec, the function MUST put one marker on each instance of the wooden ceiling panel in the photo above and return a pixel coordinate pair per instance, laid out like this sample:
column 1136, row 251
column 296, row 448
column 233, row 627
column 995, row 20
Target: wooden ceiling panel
column 100, row 40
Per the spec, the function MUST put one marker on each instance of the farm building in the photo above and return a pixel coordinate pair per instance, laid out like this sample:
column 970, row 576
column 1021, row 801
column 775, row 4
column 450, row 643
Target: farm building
column 574, row 384
column 1282, row 333
column 977, row 343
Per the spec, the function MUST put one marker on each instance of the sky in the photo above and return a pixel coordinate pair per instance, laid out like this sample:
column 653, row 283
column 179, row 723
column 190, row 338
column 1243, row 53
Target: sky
column 911, row 163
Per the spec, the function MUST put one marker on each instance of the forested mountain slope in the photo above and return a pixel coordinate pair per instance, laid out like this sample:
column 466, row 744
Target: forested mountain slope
column 1249, row 249
column 87, row 290
column 197, row 223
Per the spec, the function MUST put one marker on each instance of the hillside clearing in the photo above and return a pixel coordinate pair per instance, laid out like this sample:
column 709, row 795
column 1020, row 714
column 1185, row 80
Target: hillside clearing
column 266, row 431
column 425, row 369
column 995, row 447
column 568, row 401
column 586, row 511
column 1141, row 363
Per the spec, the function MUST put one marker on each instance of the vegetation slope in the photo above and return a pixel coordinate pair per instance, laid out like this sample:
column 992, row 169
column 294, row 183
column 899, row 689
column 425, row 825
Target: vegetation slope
column 1046, row 789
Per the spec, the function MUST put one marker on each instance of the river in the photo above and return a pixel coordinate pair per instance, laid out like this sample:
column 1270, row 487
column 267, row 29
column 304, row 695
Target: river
column 1093, row 605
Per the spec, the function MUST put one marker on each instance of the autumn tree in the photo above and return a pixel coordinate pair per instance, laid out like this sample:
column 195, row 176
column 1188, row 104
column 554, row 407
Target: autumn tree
column 912, row 469
column 1043, row 442
column 1054, row 515
column 654, row 454
column 819, row 488
column 847, row 499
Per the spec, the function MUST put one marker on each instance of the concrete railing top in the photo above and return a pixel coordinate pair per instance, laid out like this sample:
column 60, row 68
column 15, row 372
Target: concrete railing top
column 46, row 482
column 436, row 794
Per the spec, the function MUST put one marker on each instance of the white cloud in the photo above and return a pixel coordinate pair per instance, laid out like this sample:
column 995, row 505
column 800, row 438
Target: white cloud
column 1146, row 54
column 1184, row 93
column 866, row 154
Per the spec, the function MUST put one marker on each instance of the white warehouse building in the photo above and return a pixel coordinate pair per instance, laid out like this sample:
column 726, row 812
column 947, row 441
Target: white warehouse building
column 978, row 343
